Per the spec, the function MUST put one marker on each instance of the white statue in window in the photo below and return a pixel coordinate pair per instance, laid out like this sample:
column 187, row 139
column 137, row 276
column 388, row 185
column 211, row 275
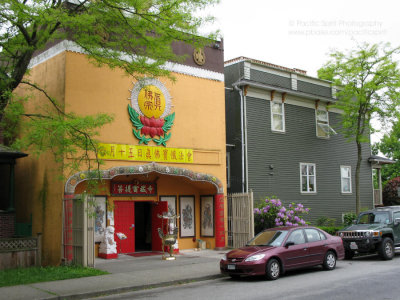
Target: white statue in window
column 108, row 245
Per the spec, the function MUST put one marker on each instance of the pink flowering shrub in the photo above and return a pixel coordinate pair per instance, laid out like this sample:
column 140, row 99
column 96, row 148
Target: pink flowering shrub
column 271, row 213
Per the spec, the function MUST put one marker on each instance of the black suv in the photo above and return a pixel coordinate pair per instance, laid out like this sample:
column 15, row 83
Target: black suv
column 376, row 230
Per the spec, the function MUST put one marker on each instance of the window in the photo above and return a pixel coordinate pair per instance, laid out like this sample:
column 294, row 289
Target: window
column 307, row 178
column 313, row 235
column 277, row 117
column 345, row 175
column 322, row 120
column 297, row 237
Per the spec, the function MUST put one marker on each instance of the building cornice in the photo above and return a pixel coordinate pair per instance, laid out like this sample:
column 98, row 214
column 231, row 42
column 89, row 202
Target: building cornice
column 69, row 46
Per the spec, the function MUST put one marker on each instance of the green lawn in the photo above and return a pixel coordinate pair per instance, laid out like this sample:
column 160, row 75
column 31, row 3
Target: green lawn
column 40, row 274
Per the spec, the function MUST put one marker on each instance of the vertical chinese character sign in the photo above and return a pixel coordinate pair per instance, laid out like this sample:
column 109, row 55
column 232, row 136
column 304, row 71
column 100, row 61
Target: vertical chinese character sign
column 150, row 112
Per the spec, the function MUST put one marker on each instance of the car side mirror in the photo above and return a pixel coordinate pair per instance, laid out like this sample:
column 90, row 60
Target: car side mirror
column 288, row 244
column 396, row 221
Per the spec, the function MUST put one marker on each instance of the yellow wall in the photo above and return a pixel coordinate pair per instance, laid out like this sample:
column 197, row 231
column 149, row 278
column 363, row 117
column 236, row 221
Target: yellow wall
column 39, row 190
column 199, row 107
column 199, row 124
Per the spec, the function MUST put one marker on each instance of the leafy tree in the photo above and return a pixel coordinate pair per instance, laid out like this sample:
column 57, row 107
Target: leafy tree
column 134, row 35
column 390, row 192
column 389, row 145
column 368, row 81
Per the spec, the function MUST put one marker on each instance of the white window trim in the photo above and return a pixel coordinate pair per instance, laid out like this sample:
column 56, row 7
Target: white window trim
column 315, row 179
column 324, row 126
column 341, row 182
column 282, row 114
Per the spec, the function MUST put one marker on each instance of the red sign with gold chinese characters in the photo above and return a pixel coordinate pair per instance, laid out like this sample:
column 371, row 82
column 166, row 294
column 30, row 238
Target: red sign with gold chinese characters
column 133, row 188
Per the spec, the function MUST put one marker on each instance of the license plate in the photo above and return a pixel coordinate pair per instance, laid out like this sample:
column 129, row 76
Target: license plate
column 353, row 246
column 231, row 267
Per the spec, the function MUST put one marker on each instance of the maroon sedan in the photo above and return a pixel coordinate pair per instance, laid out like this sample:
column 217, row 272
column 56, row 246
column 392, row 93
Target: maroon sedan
column 276, row 250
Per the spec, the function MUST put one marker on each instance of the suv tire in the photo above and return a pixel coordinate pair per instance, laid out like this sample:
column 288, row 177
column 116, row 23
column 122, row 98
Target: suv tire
column 348, row 254
column 386, row 249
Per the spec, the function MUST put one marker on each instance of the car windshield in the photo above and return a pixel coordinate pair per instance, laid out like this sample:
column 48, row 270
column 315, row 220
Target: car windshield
column 381, row 217
column 268, row 238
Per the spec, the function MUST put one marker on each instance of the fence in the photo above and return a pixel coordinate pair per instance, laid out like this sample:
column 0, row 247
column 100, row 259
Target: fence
column 240, row 219
column 20, row 252
column 78, row 232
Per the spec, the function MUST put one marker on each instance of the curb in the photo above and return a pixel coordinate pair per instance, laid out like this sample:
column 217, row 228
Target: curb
column 135, row 288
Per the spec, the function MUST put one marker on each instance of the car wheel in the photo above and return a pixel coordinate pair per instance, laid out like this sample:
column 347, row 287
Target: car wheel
column 386, row 249
column 273, row 269
column 348, row 255
column 329, row 261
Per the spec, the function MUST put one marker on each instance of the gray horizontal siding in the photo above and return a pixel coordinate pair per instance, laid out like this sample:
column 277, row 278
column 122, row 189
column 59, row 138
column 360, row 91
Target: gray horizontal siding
column 270, row 79
column 314, row 89
column 274, row 158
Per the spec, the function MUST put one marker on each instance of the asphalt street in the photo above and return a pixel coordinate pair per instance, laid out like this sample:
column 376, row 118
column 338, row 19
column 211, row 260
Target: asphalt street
column 361, row 278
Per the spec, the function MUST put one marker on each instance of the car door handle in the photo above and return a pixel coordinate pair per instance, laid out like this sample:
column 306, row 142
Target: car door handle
column 305, row 248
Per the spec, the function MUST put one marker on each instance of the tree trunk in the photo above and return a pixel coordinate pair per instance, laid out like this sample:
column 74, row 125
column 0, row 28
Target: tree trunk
column 358, row 167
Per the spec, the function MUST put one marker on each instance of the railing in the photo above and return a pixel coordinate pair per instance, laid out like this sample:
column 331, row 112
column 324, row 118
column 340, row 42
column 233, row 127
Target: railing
column 20, row 252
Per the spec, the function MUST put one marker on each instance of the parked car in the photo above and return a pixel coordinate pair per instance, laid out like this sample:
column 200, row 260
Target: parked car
column 374, row 231
column 275, row 250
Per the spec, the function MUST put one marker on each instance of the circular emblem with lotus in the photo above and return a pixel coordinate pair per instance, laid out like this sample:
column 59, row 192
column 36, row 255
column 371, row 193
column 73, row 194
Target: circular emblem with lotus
column 150, row 112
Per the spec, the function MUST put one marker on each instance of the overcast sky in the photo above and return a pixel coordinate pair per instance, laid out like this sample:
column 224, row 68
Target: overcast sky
column 299, row 34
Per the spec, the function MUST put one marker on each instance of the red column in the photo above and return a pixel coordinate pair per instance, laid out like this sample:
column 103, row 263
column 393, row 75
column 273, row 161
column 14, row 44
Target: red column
column 219, row 222
column 67, row 234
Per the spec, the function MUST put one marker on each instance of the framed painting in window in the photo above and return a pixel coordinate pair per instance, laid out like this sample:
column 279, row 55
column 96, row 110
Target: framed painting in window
column 100, row 218
column 187, row 216
column 207, row 215
column 171, row 204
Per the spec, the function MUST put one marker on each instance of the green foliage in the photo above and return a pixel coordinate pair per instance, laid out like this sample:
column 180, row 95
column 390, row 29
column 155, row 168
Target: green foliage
column 330, row 229
column 348, row 218
column 40, row 274
column 63, row 134
column 389, row 145
column 325, row 221
column 390, row 192
column 11, row 118
column 368, row 81
column 133, row 35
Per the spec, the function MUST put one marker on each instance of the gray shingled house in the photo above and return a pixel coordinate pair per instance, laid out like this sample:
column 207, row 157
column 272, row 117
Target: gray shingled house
column 283, row 139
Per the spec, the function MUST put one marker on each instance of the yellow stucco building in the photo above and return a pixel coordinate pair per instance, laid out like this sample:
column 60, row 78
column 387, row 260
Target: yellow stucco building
column 181, row 168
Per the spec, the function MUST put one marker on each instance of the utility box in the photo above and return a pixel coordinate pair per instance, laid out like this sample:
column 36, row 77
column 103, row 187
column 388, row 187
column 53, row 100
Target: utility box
column 202, row 244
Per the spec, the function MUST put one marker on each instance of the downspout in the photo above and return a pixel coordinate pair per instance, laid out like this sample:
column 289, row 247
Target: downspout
column 242, row 137
column 245, row 144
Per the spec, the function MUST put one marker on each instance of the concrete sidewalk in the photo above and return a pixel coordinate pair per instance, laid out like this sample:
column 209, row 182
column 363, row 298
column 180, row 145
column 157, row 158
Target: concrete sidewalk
column 127, row 274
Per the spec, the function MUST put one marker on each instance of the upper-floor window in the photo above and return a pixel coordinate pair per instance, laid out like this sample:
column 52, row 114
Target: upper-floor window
column 277, row 116
column 345, row 175
column 307, row 178
column 322, row 121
